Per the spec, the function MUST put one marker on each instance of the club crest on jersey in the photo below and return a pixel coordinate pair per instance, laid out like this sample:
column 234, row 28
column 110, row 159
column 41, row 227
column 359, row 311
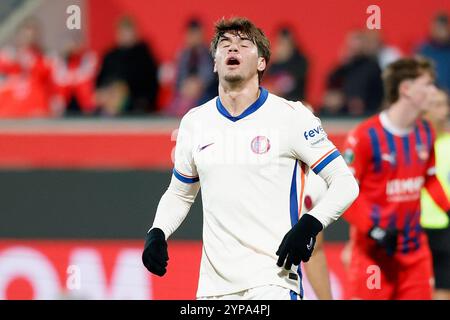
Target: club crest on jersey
column 422, row 153
column 260, row 145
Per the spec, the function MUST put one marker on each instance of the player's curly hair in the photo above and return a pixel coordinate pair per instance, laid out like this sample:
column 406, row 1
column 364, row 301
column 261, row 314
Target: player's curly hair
column 243, row 26
column 403, row 69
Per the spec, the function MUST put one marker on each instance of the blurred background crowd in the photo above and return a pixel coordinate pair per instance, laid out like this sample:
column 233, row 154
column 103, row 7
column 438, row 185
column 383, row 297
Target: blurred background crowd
column 127, row 78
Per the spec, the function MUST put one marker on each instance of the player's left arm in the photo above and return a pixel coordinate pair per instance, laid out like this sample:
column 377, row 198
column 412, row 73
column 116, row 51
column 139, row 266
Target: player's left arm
column 313, row 148
column 316, row 268
column 433, row 185
column 323, row 158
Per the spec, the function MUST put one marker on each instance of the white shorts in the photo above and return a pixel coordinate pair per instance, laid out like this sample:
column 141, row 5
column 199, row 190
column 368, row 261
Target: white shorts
column 270, row 292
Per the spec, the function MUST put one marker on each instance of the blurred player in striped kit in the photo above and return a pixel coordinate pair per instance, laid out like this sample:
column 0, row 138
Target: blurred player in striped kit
column 392, row 156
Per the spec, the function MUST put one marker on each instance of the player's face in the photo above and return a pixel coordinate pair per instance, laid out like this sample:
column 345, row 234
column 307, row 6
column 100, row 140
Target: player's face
column 420, row 90
column 237, row 59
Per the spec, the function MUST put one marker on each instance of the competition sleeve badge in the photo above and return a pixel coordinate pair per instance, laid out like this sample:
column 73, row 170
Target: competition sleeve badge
column 260, row 145
column 349, row 156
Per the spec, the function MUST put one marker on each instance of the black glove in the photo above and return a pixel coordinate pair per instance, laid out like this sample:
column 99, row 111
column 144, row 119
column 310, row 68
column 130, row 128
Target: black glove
column 386, row 238
column 155, row 254
column 298, row 243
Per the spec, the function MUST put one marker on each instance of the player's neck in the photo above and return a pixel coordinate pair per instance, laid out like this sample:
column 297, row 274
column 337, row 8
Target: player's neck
column 402, row 115
column 237, row 99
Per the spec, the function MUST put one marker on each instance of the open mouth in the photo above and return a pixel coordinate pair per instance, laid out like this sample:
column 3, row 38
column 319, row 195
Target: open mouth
column 232, row 61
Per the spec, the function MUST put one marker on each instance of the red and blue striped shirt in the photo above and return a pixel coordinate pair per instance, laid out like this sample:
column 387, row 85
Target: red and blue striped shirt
column 391, row 168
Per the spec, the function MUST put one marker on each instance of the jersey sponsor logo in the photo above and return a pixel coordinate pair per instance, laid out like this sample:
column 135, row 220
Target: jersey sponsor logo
column 260, row 145
column 313, row 133
column 399, row 190
column 316, row 136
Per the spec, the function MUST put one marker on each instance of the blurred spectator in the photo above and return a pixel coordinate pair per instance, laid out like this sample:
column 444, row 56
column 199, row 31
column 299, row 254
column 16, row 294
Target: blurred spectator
column 196, row 82
column 127, row 82
column 437, row 48
column 286, row 76
column 377, row 48
column 354, row 88
column 73, row 75
column 25, row 86
column 114, row 99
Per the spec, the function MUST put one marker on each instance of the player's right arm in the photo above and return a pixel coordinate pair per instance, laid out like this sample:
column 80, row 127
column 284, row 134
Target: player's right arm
column 174, row 204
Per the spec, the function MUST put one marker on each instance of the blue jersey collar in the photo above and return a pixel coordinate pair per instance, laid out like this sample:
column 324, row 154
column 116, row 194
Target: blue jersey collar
column 252, row 108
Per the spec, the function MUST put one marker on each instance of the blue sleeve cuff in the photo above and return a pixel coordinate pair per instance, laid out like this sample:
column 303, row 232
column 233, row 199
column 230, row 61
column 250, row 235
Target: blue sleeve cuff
column 184, row 178
column 326, row 161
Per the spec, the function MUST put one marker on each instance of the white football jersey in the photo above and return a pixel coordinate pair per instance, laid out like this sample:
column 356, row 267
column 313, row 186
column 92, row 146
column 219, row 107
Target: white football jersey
column 251, row 170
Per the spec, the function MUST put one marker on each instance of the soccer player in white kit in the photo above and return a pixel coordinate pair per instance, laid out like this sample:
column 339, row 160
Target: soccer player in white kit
column 249, row 151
